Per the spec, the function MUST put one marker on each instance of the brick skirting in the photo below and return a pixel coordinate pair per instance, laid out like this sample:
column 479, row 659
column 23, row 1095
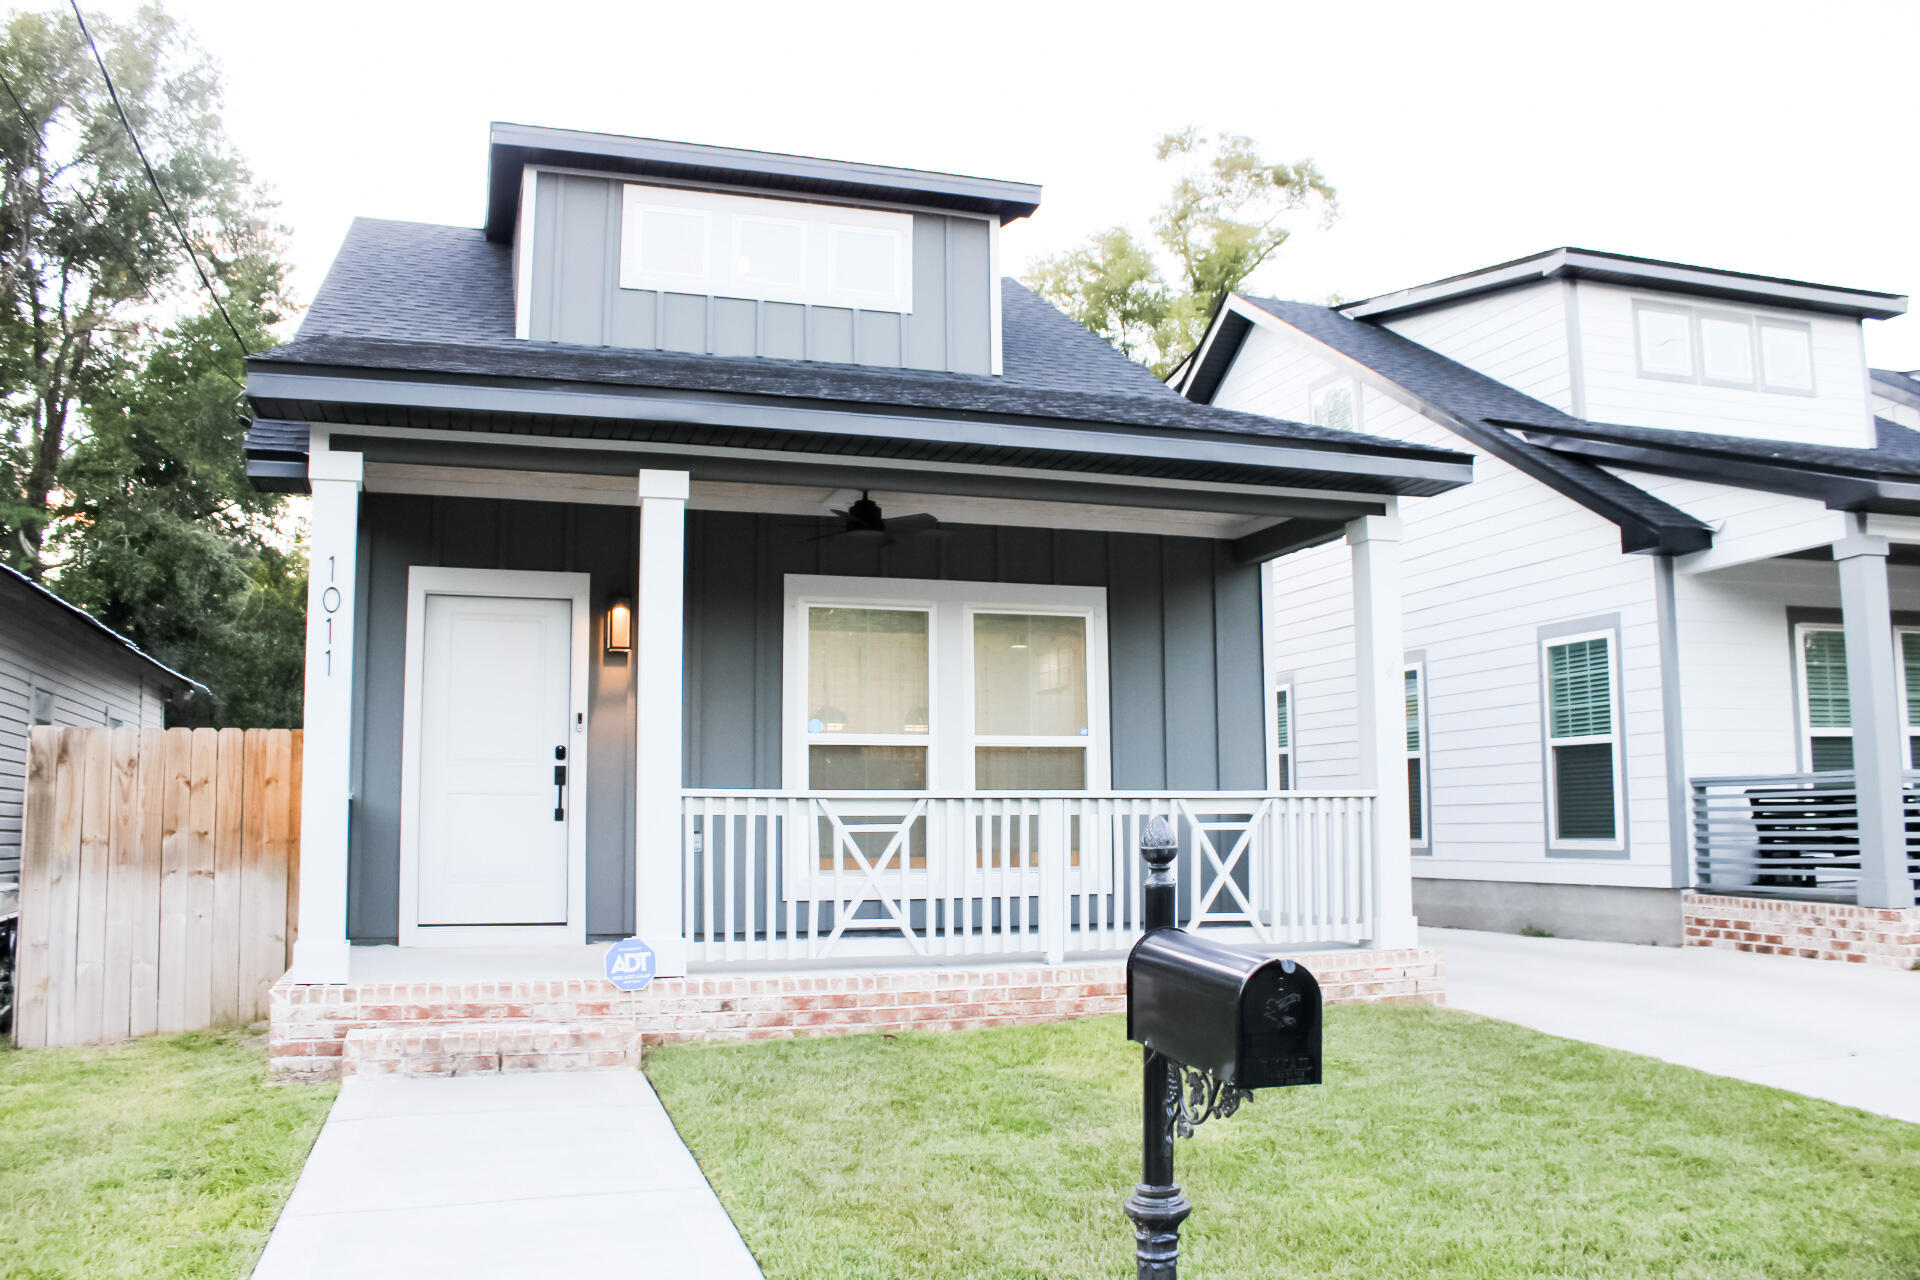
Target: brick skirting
column 461, row 1028
column 1887, row 938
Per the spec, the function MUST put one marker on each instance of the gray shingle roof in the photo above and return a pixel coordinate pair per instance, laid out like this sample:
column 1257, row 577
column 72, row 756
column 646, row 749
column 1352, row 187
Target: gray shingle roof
column 1896, row 452
column 1483, row 405
column 409, row 297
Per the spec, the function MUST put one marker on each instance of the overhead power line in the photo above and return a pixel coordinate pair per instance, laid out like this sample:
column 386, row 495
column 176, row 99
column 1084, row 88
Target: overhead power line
column 178, row 227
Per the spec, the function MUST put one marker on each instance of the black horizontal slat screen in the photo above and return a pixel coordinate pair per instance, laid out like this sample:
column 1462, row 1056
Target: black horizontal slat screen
column 1583, row 790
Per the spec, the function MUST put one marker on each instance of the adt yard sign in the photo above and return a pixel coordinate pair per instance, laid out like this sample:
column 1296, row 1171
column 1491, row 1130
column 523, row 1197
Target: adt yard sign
column 630, row 964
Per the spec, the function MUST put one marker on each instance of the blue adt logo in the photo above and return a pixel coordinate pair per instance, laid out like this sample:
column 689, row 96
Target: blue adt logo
column 630, row 964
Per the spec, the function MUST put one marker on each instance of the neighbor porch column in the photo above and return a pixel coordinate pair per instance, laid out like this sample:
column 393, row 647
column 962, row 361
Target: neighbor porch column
column 1379, row 676
column 320, row 950
column 659, row 622
column 1873, row 697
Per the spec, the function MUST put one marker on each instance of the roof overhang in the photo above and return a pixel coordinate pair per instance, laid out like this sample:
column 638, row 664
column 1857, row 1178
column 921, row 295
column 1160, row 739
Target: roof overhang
column 515, row 146
column 1900, row 387
column 29, row 594
column 1840, row 488
column 1074, row 452
column 1648, row 273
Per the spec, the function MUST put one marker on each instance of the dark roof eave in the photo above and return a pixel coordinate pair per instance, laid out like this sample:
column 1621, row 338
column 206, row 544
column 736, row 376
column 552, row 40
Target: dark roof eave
column 513, row 146
column 1838, row 490
column 1431, row 470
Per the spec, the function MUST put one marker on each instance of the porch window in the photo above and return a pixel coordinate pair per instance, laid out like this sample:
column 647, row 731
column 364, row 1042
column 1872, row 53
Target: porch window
column 1827, row 722
column 1583, row 741
column 867, row 683
column 1910, row 692
column 1416, row 756
column 1283, row 737
column 1029, row 702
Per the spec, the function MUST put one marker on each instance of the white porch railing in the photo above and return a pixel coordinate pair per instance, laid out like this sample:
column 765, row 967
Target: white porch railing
column 773, row 876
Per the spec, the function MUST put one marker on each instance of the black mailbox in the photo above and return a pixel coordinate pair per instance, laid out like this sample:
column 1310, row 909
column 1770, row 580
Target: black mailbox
column 1253, row 1023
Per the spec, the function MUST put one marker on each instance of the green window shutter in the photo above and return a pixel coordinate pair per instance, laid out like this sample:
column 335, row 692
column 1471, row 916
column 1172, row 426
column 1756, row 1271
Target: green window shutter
column 1832, row 753
column 1826, row 666
column 1583, row 791
column 1910, row 656
column 1280, row 738
column 1413, row 710
column 1579, row 683
column 1416, row 826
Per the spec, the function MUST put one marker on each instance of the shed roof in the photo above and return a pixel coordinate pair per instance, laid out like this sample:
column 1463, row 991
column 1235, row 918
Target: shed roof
column 24, row 593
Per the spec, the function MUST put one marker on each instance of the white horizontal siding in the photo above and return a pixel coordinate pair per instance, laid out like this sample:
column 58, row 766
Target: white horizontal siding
column 1614, row 391
column 91, row 679
column 1516, row 336
column 1484, row 567
column 1736, row 659
column 1748, row 524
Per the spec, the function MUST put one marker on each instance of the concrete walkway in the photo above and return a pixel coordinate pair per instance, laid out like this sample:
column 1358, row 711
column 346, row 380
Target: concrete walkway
column 1841, row 1032
column 543, row 1174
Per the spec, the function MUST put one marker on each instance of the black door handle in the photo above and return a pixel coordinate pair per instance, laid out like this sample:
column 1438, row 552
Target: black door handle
column 560, row 786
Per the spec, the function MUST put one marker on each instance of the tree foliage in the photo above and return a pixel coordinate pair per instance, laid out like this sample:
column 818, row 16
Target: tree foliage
column 1228, row 212
column 122, row 480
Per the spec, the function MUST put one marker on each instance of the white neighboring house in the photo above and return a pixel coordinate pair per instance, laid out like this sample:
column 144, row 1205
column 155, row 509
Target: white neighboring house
column 1686, row 579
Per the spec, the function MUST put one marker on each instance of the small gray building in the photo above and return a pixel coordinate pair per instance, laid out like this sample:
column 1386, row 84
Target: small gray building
column 61, row 666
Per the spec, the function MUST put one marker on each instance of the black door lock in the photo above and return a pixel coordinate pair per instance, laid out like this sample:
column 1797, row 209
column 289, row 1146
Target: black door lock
column 560, row 786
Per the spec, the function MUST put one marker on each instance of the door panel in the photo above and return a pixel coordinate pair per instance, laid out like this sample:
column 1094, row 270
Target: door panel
column 496, row 675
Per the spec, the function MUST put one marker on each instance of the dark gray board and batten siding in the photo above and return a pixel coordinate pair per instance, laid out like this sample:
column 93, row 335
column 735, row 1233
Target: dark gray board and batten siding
column 576, row 295
column 1183, row 639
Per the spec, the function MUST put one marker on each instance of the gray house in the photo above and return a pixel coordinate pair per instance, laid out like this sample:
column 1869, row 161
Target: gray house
column 61, row 666
column 713, row 547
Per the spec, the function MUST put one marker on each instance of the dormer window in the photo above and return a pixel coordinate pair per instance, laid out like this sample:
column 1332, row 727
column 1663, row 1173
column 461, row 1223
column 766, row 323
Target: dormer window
column 1723, row 348
column 728, row 246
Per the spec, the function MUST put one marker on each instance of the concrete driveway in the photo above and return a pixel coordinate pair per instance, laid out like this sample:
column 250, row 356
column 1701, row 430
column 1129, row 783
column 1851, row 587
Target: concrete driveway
column 1846, row 1033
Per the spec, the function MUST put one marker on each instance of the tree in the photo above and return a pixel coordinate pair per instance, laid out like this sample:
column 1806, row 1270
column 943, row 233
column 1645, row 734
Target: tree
column 122, row 480
column 1227, row 214
column 88, row 254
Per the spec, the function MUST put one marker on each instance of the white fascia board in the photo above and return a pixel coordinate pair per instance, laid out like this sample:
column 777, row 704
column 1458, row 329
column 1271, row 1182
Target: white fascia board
column 523, row 253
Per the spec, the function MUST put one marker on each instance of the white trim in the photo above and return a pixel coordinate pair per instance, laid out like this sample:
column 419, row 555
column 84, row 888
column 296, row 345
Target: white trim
column 425, row 580
column 993, row 296
column 1615, row 738
column 523, row 253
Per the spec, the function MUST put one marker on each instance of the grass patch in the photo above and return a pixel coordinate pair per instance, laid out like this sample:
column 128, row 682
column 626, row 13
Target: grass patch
column 1444, row 1145
column 164, row 1157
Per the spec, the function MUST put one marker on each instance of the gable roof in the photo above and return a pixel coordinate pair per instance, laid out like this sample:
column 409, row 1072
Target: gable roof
column 24, row 593
column 1568, row 263
column 1478, row 408
column 433, row 305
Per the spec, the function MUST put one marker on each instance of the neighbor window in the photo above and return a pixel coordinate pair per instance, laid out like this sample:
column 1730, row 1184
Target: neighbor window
column 1582, row 741
column 1335, row 403
column 1665, row 341
column 703, row 242
column 1723, row 348
column 1416, row 755
column 1827, row 715
column 1029, row 702
column 1283, row 737
column 42, row 700
column 1786, row 356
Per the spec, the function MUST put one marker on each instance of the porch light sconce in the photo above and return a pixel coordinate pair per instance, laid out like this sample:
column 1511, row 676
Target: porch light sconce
column 620, row 625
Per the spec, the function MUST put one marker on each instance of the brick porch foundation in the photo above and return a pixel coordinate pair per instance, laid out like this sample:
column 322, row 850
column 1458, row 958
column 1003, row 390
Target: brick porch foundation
column 1883, row 937
column 462, row 1028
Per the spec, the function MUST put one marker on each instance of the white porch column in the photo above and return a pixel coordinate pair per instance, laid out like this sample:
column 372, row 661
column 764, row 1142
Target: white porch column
column 659, row 610
column 320, row 950
column 1874, row 699
column 1380, row 680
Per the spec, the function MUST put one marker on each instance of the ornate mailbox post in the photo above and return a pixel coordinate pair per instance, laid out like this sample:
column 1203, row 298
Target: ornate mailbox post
column 1214, row 1025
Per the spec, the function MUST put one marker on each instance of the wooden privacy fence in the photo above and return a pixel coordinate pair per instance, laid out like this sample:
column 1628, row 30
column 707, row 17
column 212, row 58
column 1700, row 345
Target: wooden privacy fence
column 159, row 880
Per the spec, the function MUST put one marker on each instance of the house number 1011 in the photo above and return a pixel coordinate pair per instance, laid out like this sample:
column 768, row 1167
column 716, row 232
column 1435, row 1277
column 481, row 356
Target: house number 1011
column 330, row 605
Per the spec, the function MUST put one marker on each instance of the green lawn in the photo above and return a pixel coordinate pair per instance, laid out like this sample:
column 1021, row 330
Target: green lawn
column 1442, row 1145
column 164, row 1157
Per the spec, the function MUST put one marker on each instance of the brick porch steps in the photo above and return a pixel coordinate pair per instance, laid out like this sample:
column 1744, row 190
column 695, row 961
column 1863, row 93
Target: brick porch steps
column 486, row 1047
column 451, row 1027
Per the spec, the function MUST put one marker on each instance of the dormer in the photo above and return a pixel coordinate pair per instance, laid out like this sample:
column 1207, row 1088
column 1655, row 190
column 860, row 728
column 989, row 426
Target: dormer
column 653, row 245
column 1639, row 342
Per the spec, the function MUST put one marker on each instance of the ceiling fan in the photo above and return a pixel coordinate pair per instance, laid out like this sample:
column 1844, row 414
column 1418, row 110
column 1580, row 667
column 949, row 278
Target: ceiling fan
column 862, row 519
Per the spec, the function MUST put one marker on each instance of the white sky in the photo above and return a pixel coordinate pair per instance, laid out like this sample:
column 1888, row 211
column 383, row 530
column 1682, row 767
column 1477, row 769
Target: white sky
column 1749, row 134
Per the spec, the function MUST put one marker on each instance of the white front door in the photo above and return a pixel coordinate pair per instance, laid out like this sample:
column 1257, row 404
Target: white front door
column 495, row 707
